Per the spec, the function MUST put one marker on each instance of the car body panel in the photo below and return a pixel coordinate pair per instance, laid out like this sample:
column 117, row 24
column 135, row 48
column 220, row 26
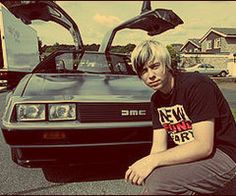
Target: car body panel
column 19, row 51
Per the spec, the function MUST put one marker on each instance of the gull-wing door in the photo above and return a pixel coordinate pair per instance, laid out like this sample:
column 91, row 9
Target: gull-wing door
column 28, row 11
column 152, row 21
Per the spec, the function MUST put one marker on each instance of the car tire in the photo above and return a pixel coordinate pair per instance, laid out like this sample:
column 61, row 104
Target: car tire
column 14, row 155
column 223, row 74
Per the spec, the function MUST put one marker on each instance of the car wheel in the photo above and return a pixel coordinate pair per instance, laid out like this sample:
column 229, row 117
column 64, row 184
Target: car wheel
column 14, row 155
column 223, row 74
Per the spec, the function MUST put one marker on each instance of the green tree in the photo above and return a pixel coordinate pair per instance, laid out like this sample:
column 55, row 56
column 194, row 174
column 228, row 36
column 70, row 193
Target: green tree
column 40, row 43
column 123, row 49
column 92, row 47
column 129, row 48
column 175, row 56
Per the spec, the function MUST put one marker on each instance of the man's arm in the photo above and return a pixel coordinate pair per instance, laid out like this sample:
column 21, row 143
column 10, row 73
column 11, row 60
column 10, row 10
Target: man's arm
column 159, row 141
column 199, row 148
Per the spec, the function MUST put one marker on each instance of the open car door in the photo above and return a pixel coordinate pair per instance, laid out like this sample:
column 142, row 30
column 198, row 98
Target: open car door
column 15, row 34
column 152, row 21
column 28, row 11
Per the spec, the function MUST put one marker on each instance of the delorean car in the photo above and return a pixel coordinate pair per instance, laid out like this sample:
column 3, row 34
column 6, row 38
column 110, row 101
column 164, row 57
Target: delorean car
column 79, row 107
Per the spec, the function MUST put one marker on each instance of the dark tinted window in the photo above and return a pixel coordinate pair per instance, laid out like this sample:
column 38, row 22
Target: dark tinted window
column 201, row 66
column 89, row 62
column 210, row 66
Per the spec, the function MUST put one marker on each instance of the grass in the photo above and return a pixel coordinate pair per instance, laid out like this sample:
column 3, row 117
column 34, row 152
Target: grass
column 234, row 112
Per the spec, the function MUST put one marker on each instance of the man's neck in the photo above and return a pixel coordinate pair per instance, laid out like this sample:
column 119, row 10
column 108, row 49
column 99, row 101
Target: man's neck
column 170, row 85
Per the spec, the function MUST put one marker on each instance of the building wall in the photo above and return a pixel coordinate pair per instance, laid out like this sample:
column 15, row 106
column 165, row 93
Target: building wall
column 232, row 65
column 228, row 45
column 212, row 36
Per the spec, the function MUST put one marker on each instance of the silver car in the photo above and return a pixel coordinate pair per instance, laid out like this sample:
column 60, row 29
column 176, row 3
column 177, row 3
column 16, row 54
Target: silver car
column 207, row 69
column 81, row 107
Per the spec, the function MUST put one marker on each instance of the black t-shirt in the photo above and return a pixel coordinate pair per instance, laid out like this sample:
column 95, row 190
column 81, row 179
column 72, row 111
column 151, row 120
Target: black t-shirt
column 194, row 98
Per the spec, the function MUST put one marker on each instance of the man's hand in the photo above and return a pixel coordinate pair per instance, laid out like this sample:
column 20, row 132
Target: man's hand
column 137, row 172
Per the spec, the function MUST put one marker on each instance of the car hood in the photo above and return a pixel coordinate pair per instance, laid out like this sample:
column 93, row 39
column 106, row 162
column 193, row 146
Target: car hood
column 87, row 87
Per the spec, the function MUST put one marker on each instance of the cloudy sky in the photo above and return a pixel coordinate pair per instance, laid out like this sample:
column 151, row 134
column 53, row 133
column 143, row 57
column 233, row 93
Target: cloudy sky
column 95, row 18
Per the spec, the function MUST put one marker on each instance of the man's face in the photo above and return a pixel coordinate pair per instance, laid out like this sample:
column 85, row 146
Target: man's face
column 155, row 76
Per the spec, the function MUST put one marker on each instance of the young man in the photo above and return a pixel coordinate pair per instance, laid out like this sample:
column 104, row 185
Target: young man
column 194, row 136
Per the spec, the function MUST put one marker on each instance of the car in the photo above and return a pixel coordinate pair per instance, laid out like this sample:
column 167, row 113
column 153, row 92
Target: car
column 81, row 107
column 207, row 69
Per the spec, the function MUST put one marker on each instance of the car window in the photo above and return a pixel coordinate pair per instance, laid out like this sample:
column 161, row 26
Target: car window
column 90, row 62
column 210, row 66
column 67, row 59
column 201, row 66
column 93, row 63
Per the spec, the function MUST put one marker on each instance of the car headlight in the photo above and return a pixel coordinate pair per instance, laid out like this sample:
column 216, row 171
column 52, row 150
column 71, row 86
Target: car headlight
column 30, row 112
column 62, row 112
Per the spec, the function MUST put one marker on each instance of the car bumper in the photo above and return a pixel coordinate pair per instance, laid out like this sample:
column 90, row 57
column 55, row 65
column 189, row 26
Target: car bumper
column 31, row 148
column 86, row 155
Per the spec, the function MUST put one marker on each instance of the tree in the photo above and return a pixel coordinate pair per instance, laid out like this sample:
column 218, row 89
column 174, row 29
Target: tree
column 40, row 43
column 129, row 48
column 175, row 56
column 92, row 47
column 123, row 49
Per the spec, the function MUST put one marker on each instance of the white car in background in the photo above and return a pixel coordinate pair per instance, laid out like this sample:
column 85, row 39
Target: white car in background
column 207, row 69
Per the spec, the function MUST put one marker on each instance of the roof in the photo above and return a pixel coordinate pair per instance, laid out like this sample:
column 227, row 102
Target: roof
column 193, row 41
column 224, row 32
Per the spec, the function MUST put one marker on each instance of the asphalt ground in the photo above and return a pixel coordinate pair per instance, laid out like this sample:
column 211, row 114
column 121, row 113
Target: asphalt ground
column 88, row 180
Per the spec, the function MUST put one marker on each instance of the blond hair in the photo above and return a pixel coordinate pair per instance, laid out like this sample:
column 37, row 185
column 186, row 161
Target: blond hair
column 150, row 51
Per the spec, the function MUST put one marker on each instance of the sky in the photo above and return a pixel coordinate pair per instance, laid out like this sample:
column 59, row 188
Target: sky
column 95, row 18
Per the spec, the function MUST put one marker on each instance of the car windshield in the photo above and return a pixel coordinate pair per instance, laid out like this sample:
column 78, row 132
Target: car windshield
column 89, row 62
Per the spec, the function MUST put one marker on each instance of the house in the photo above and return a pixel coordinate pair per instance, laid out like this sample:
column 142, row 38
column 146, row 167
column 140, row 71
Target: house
column 219, row 40
column 191, row 46
column 215, row 46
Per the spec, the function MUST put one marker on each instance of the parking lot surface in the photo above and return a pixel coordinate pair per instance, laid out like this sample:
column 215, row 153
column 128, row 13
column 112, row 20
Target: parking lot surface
column 92, row 180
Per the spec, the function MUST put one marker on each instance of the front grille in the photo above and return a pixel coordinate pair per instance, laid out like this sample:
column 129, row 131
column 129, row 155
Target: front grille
column 114, row 112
